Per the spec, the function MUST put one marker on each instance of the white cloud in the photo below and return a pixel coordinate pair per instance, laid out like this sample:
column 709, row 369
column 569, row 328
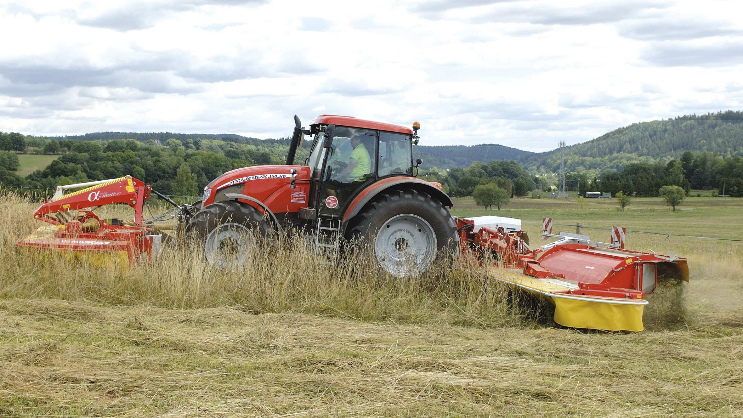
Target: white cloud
column 525, row 73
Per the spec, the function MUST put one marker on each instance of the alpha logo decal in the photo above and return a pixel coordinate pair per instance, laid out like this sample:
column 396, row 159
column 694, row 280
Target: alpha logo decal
column 96, row 196
column 256, row 177
column 299, row 197
column 331, row 202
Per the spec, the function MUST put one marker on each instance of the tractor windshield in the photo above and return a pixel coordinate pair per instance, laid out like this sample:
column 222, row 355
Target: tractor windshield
column 353, row 155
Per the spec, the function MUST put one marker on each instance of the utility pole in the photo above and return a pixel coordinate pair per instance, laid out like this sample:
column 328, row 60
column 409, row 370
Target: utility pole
column 562, row 169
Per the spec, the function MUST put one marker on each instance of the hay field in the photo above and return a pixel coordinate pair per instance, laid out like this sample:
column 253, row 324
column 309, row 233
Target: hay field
column 32, row 162
column 290, row 336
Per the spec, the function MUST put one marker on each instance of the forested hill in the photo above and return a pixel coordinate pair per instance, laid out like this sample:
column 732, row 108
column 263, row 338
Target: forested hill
column 432, row 156
column 461, row 156
column 162, row 137
column 718, row 133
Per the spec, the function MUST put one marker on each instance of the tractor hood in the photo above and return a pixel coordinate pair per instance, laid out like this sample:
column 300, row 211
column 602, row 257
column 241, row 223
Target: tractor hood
column 257, row 181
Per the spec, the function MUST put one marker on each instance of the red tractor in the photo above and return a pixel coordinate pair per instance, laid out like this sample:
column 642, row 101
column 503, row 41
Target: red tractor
column 358, row 184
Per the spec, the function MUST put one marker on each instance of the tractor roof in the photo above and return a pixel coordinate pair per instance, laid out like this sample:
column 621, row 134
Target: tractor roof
column 359, row 123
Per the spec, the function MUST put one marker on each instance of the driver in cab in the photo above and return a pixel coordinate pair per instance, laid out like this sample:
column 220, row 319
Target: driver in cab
column 359, row 163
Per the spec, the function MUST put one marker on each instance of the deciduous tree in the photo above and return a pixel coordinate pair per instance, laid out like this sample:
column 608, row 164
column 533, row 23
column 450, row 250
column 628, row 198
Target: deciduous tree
column 489, row 195
column 185, row 181
column 18, row 142
column 52, row 147
column 623, row 200
column 673, row 195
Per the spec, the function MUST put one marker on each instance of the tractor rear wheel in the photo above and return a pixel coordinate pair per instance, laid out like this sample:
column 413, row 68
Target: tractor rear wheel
column 229, row 232
column 408, row 231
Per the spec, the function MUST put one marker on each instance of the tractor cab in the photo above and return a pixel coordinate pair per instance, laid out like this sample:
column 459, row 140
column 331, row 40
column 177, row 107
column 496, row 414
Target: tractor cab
column 349, row 154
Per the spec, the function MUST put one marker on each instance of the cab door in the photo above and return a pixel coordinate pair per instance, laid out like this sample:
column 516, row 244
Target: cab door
column 350, row 167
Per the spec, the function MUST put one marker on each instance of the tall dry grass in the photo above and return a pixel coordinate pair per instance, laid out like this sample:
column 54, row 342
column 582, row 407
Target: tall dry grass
column 285, row 275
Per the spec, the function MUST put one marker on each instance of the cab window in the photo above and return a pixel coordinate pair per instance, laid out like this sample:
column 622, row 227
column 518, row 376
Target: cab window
column 395, row 154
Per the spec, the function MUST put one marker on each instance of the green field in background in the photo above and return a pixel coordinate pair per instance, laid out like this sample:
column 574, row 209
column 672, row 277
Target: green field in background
column 31, row 163
column 697, row 216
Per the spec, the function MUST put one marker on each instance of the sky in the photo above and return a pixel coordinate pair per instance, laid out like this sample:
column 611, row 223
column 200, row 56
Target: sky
column 525, row 74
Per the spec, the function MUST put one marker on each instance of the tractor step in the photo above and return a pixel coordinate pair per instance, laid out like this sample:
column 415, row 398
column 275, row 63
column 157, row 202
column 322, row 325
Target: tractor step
column 327, row 237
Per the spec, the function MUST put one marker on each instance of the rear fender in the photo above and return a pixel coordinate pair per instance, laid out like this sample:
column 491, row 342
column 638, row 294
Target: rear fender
column 394, row 183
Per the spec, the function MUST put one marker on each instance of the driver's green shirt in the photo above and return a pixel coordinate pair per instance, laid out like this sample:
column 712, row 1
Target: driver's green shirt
column 363, row 162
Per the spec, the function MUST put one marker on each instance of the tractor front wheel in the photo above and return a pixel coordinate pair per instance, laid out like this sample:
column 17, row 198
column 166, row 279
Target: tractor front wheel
column 230, row 232
column 408, row 231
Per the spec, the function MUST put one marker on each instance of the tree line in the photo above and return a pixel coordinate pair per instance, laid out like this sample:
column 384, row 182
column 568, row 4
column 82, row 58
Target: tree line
column 184, row 164
column 12, row 141
column 693, row 171
column 493, row 183
column 176, row 167
column 452, row 156
column 507, row 175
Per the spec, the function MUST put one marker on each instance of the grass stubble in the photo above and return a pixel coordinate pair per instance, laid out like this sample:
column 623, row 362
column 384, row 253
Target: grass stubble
column 289, row 335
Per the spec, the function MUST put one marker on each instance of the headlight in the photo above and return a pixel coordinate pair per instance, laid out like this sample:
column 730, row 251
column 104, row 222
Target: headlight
column 207, row 193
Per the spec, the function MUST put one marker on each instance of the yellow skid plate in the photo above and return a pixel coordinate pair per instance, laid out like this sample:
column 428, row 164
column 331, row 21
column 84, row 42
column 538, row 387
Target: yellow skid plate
column 577, row 311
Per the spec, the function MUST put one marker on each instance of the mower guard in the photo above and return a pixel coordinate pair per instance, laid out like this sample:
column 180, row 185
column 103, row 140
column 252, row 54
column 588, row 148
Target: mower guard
column 591, row 285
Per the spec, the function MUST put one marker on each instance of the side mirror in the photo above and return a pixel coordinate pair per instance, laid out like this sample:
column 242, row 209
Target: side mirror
column 418, row 162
